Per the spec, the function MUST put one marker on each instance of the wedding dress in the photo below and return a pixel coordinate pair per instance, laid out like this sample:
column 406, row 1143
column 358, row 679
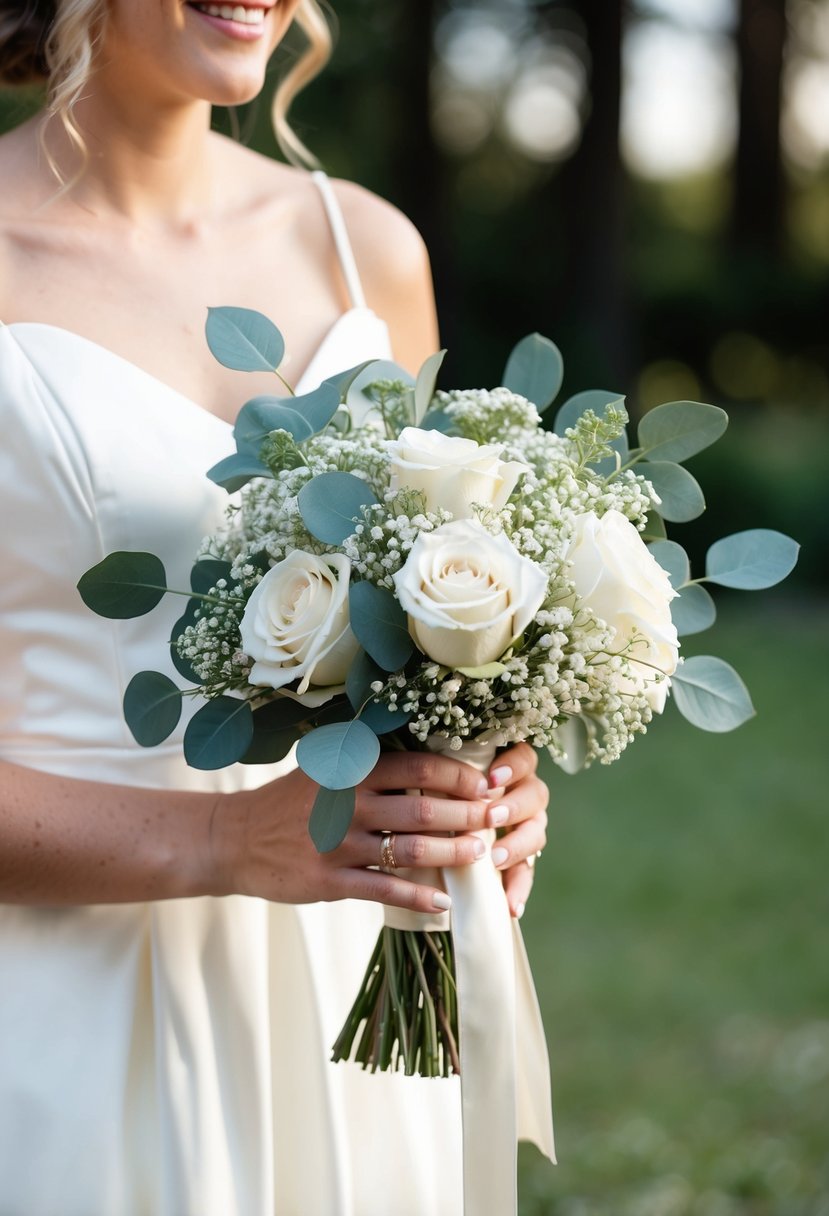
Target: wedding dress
column 169, row 1058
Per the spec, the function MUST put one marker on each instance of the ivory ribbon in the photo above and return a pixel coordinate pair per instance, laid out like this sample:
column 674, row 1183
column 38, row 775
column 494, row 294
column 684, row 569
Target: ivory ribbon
column 505, row 1071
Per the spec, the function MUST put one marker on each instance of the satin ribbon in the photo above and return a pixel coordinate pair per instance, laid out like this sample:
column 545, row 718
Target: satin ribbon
column 505, row 1072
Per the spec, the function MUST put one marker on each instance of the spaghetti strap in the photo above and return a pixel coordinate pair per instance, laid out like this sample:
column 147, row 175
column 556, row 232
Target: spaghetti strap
column 340, row 234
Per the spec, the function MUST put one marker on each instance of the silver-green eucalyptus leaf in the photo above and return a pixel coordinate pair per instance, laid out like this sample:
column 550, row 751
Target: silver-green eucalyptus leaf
column 244, row 340
column 710, row 694
column 752, row 560
column 674, row 561
column 680, row 429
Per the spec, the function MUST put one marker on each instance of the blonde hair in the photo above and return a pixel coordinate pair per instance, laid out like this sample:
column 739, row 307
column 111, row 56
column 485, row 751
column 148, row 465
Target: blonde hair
column 53, row 42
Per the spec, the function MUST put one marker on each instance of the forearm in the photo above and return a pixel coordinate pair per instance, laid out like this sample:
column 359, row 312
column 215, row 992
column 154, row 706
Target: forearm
column 65, row 841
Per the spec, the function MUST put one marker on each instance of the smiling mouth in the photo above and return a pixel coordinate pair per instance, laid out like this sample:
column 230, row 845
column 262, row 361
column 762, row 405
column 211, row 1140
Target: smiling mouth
column 238, row 13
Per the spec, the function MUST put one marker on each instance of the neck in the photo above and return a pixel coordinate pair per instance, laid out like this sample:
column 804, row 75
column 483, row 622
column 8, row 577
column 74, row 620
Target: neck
column 150, row 166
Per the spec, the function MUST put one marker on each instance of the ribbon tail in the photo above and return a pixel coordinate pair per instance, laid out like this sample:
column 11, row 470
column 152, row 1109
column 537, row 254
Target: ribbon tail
column 535, row 1107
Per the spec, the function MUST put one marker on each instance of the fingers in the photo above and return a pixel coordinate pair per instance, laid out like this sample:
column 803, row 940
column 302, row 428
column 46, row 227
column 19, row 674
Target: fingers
column 512, row 766
column 422, row 771
column 389, row 889
column 518, row 884
column 524, row 841
column 418, row 813
column 411, row 850
column 519, row 802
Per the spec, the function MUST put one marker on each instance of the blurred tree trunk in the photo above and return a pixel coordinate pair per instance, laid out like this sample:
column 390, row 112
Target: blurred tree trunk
column 594, row 299
column 758, row 211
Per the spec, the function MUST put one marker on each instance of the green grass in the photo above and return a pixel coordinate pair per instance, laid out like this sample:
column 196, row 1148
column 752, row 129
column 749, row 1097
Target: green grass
column 679, row 938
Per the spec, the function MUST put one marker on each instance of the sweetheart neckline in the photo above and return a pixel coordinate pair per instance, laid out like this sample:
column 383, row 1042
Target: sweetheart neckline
column 136, row 367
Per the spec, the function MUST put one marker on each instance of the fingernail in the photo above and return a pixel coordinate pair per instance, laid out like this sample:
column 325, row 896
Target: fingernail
column 441, row 900
column 499, row 856
column 478, row 848
column 500, row 776
column 519, row 911
column 498, row 816
column 482, row 788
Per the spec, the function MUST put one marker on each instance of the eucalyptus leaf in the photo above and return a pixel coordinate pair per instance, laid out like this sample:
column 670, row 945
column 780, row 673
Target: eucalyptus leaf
column 276, row 728
column 710, row 694
column 361, row 675
column 573, row 737
column 380, row 625
column 752, row 560
column 237, row 470
column 611, row 464
column 340, row 755
column 535, row 370
column 437, row 420
column 679, row 429
column 425, row 384
column 207, row 572
column 243, row 339
column 301, row 417
column 693, row 610
column 382, row 719
column 124, row 585
column 331, row 504
column 152, row 707
column 342, row 381
column 654, row 527
column 331, row 817
column 681, row 494
column 380, row 369
column 219, row 734
column 595, row 399
column 674, row 560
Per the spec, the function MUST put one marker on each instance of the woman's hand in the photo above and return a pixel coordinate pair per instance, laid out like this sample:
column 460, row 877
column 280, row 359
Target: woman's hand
column 260, row 843
column 519, row 803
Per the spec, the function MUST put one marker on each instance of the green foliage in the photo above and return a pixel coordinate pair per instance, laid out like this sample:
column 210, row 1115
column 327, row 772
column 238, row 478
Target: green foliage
column 331, row 504
column 276, row 728
column 680, row 493
column 710, row 694
column 237, row 470
column 207, row 572
column 152, row 707
column 244, row 340
column 693, row 610
column 380, row 625
column 218, row 734
column 535, row 370
column 331, row 817
column 124, row 585
column 680, row 429
column 674, row 560
column 595, row 400
column 301, row 417
column 752, row 560
column 340, row 755
column 425, row 385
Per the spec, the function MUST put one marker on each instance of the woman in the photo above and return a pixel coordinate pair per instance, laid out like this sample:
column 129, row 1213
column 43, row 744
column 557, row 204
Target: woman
column 174, row 960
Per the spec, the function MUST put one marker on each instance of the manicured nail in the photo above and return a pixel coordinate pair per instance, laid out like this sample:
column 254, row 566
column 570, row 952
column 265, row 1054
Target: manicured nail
column 441, row 900
column 497, row 816
column 482, row 788
column 499, row 856
column 478, row 848
column 499, row 776
column 519, row 911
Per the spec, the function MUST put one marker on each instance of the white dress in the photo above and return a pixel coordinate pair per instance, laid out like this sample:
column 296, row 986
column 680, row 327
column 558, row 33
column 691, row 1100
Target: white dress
column 170, row 1058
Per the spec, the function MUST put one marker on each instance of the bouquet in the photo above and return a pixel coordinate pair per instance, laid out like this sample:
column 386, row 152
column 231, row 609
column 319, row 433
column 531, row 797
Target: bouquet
column 404, row 567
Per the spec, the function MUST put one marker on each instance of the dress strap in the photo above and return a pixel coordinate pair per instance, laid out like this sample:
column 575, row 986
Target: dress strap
column 340, row 234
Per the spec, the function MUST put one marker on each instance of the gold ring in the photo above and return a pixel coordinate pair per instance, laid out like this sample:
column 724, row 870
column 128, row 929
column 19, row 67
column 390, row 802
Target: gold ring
column 388, row 861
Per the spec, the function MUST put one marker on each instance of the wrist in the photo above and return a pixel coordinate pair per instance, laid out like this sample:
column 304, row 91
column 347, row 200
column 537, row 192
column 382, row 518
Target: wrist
column 224, row 844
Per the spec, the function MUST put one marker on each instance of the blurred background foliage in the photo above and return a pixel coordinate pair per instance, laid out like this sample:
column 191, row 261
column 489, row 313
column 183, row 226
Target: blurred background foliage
column 648, row 183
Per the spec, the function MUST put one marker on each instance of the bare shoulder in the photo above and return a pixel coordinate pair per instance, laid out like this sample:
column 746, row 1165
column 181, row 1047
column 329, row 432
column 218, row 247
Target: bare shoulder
column 394, row 267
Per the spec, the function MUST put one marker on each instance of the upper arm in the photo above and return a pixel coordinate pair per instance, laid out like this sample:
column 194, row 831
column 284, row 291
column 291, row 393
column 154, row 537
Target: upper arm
column 394, row 268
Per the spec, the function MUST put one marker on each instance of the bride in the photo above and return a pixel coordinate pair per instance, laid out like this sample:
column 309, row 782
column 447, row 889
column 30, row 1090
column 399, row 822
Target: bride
column 175, row 957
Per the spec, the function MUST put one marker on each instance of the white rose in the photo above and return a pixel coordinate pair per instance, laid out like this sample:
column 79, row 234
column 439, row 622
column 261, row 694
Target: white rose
column 619, row 580
column 452, row 473
column 468, row 594
column 295, row 626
